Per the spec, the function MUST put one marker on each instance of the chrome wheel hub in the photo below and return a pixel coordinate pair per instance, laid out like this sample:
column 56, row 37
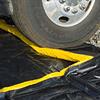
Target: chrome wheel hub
column 67, row 13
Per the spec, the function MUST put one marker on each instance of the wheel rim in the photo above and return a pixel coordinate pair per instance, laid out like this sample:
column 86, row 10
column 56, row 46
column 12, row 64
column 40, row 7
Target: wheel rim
column 67, row 13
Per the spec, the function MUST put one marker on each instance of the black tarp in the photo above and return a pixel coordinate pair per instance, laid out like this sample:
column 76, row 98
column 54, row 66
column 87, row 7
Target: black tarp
column 19, row 63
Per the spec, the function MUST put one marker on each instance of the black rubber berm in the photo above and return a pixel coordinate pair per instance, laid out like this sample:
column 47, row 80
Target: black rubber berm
column 31, row 19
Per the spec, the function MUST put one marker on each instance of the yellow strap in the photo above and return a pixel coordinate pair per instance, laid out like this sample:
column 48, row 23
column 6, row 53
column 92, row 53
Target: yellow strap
column 56, row 53
column 36, row 81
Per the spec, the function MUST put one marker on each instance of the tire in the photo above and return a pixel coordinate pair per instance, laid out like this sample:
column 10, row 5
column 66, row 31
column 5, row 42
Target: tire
column 31, row 19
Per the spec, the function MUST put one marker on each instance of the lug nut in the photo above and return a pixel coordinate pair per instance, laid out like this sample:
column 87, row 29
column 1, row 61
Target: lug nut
column 66, row 9
column 74, row 11
column 82, row 6
column 62, row 1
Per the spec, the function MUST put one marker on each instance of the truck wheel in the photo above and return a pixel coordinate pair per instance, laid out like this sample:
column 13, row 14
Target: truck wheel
column 56, row 23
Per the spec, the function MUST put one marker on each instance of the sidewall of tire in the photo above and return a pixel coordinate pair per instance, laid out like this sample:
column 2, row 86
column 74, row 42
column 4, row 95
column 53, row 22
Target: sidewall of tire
column 30, row 17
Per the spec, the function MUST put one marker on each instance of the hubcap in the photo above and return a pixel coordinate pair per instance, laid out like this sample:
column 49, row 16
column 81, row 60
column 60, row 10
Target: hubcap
column 67, row 13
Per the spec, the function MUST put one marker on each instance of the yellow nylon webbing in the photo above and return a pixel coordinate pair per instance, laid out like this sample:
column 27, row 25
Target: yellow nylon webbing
column 56, row 53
